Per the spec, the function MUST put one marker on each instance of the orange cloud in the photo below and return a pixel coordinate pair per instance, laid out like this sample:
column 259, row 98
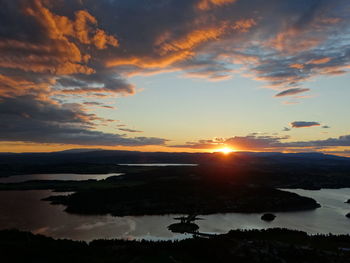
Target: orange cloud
column 9, row 85
column 148, row 62
column 209, row 4
column 319, row 61
column 334, row 70
column 192, row 39
column 83, row 32
column 16, row 85
column 208, row 76
column 297, row 66
column 294, row 40
column 175, row 50
column 244, row 25
column 82, row 28
column 58, row 51
column 56, row 57
column 199, row 36
column 101, row 40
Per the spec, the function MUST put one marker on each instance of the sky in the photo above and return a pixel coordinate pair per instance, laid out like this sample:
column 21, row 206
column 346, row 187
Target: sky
column 175, row 75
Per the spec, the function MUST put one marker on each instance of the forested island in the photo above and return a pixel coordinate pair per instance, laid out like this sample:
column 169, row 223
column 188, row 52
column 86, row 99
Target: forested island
column 169, row 190
column 173, row 197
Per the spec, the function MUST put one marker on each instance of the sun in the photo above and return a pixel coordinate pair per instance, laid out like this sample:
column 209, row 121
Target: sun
column 225, row 150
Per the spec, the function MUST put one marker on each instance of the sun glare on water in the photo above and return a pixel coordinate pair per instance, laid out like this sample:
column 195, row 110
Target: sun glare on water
column 225, row 150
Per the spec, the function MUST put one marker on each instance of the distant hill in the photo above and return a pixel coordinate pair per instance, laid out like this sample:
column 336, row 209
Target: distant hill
column 83, row 150
column 118, row 157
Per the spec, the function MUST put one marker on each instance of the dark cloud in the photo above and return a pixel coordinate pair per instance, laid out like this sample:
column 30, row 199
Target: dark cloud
column 331, row 142
column 250, row 142
column 98, row 104
column 29, row 119
column 304, row 124
column 326, row 127
column 286, row 129
column 290, row 92
column 105, row 81
column 92, row 103
column 267, row 143
column 129, row 130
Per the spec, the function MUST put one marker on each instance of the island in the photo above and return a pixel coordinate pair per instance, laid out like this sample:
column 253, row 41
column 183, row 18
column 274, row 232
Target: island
column 175, row 191
column 182, row 198
column 168, row 190
column 268, row 217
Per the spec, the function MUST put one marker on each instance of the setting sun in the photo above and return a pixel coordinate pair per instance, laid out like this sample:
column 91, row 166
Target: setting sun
column 225, row 150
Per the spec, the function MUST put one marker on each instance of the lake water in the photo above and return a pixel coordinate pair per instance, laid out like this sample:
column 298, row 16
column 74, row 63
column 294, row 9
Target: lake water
column 158, row 164
column 24, row 210
column 60, row 177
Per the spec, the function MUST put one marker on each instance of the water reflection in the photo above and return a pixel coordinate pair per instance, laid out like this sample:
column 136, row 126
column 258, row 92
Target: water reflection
column 329, row 218
column 158, row 164
column 24, row 210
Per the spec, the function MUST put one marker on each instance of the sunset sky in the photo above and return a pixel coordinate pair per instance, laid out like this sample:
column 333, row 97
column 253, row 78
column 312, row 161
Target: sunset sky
column 175, row 75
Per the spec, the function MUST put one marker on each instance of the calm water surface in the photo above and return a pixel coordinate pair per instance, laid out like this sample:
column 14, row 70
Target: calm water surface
column 158, row 164
column 24, row 210
column 60, row 177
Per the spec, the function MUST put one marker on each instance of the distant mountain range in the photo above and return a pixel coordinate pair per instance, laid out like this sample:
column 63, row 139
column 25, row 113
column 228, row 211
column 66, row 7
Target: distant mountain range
column 82, row 150
column 113, row 156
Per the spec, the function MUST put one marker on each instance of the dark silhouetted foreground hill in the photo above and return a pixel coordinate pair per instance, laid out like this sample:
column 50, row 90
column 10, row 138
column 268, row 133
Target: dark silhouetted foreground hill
column 265, row 246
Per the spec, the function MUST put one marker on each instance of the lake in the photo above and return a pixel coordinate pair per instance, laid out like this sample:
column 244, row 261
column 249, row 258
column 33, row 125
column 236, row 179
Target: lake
column 158, row 164
column 60, row 177
column 25, row 210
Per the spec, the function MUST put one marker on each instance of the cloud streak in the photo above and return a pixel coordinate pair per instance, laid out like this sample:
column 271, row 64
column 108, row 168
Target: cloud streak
column 304, row 124
column 267, row 143
column 129, row 130
column 290, row 92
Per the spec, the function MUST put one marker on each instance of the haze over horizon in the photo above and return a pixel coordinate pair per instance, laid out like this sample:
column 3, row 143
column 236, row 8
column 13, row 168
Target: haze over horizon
column 175, row 75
